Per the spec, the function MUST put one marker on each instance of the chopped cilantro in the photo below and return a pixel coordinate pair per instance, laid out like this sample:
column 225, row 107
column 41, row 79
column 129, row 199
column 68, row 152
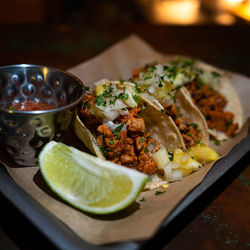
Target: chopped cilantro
column 217, row 143
column 165, row 67
column 194, row 125
column 200, row 71
column 85, row 89
column 215, row 74
column 159, row 192
column 141, row 140
column 143, row 199
column 121, row 80
column 170, row 155
column 125, row 96
column 111, row 102
column 178, row 111
column 124, row 109
column 143, row 107
column 200, row 83
column 118, row 129
column 149, row 179
column 136, row 98
column 111, row 141
column 98, row 100
column 84, row 105
column 147, row 77
column 179, row 86
column 198, row 141
column 190, row 135
column 145, row 150
column 172, row 96
column 149, row 137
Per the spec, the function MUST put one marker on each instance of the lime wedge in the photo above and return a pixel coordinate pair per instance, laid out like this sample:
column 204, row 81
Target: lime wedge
column 87, row 182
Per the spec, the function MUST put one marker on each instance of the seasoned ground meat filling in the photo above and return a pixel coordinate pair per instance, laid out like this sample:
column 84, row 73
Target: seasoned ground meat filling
column 189, row 131
column 131, row 147
column 212, row 105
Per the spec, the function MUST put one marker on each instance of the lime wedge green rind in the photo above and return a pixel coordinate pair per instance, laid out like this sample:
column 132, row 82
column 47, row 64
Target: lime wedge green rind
column 89, row 183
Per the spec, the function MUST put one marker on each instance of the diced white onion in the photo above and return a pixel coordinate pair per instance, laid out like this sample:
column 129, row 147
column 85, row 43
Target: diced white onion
column 151, row 89
column 177, row 175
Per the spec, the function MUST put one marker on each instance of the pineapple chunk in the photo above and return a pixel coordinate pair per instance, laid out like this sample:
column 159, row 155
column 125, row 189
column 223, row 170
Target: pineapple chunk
column 130, row 101
column 161, row 158
column 185, row 161
column 101, row 87
column 161, row 92
column 204, row 154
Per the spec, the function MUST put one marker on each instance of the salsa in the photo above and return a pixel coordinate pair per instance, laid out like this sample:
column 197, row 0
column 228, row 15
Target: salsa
column 30, row 106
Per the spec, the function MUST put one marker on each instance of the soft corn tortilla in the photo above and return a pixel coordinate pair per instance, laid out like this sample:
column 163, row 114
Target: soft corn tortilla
column 190, row 111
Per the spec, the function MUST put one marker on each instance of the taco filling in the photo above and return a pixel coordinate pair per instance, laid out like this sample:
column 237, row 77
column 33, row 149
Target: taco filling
column 120, row 125
column 190, row 132
column 205, row 86
column 123, row 140
column 119, row 130
column 212, row 105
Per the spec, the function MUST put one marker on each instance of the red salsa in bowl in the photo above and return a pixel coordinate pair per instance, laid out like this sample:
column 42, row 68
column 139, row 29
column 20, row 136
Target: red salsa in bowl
column 30, row 106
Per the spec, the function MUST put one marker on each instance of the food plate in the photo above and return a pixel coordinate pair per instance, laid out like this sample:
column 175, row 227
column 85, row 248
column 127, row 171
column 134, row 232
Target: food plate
column 64, row 238
column 81, row 230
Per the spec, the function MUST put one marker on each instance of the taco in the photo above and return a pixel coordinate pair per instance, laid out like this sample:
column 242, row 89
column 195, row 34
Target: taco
column 122, row 126
column 207, row 88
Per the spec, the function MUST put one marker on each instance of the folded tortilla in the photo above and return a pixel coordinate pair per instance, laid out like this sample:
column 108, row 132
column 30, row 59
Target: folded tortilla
column 174, row 75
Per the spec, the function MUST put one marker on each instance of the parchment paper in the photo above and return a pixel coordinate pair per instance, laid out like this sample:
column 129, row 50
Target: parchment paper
column 141, row 220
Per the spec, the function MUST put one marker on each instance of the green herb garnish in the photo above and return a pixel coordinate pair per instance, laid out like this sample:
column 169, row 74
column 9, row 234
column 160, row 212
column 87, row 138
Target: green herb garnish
column 141, row 140
column 143, row 199
column 118, row 129
column 215, row 74
column 194, row 125
column 217, row 143
column 159, row 192
column 136, row 98
column 170, row 155
column 143, row 107
column 198, row 141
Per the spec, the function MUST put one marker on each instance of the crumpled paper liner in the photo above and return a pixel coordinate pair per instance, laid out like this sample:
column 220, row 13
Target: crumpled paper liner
column 141, row 220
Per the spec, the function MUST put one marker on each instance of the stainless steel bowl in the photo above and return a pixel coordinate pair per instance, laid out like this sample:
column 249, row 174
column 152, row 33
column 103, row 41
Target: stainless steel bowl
column 24, row 133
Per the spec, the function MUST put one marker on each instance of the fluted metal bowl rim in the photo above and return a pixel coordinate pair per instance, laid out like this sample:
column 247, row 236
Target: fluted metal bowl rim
column 35, row 112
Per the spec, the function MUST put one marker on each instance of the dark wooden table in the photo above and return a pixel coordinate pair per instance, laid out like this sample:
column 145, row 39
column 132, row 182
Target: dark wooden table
column 221, row 220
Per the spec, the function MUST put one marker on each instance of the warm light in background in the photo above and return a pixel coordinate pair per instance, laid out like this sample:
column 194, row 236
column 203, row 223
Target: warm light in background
column 243, row 11
column 188, row 12
column 178, row 12
column 229, row 4
column 240, row 8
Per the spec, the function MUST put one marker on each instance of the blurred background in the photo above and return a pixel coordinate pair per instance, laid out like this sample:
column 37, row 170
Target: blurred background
column 63, row 33
column 114, row 12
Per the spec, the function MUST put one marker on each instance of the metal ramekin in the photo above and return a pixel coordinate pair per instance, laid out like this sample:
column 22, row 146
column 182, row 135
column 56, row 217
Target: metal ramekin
column 24, row 133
